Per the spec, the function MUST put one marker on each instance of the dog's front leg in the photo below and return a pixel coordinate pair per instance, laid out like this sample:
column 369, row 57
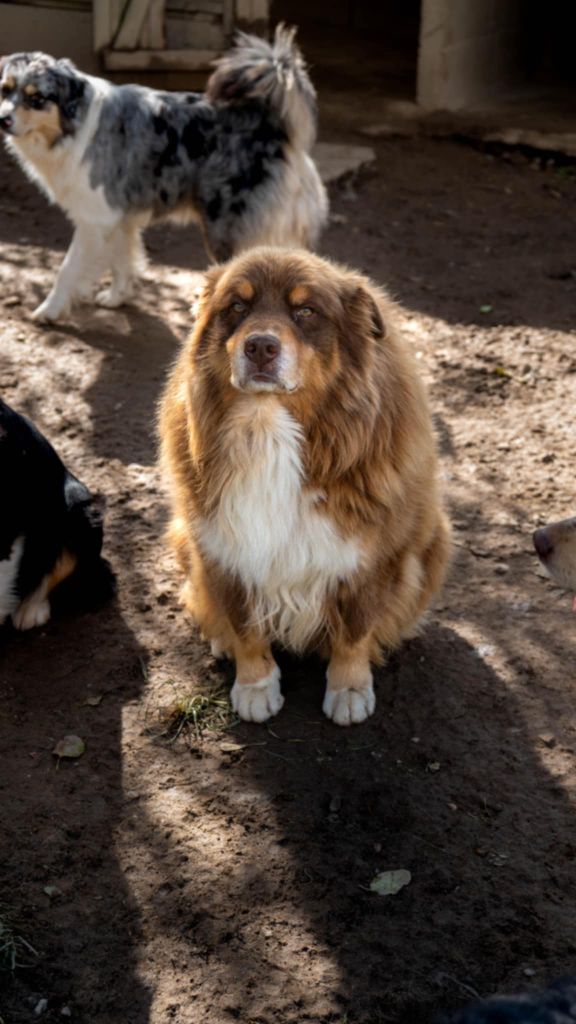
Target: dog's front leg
column 349, row 692
column 76, row 276
column 256, row 692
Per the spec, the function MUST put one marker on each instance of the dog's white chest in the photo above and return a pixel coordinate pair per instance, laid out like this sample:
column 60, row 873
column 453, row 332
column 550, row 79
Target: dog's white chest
column 8, row 576
column 272, row 534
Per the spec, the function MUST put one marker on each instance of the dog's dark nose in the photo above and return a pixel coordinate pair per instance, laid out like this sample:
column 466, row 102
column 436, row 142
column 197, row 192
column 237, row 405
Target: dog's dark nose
column 542, row 543
column 262, row 350
column 6, row 123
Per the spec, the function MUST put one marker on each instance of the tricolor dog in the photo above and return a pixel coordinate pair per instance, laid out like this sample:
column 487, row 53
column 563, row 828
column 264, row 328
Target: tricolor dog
column 301, row 463
column 51, row 527
column 235, row 159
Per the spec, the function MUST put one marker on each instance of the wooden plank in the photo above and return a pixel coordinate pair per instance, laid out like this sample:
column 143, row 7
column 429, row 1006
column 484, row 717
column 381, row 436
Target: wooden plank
column 194, row 34
column 134, row 15
column 159, row 60
column 152, row 36
column 250, row 11
column 228, row 18
column 105, row 19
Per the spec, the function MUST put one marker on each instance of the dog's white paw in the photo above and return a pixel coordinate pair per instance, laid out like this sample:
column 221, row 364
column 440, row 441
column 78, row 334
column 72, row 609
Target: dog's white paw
column 256, row 702
column 31, row 613
column 111, row 298
column 346, row 707
column 49, row 311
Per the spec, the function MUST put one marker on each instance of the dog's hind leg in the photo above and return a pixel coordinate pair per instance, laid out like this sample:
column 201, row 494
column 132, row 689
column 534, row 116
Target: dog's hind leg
column 81, row 268
column 35, row 608
column 127, row 259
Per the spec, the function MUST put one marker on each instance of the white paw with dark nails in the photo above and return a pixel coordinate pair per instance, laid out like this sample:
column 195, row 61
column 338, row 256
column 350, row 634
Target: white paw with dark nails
column 348, row 707
column 256, row 702
column 30, row 614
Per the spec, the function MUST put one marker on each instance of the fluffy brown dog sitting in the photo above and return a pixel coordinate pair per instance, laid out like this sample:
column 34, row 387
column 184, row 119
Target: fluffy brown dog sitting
column 297, row 442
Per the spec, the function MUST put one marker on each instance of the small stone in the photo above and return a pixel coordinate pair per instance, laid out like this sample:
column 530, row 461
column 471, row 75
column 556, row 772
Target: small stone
column 529, row 972
column 501, row 568
column 41, row 1007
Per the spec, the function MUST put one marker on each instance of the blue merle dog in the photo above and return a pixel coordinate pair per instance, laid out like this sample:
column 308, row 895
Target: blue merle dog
column 235, row 159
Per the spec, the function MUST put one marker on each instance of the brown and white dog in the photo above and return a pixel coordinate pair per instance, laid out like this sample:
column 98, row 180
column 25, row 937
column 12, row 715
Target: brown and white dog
column 301, row 461
column 555, row 546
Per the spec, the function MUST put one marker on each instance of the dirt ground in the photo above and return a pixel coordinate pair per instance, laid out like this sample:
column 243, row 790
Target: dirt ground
column 227, row 877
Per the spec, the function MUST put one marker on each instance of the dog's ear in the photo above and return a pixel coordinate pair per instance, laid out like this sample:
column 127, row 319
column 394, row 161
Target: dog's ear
column 362, row 311
column 368, row 307
column 70, row 89
column 203, row 291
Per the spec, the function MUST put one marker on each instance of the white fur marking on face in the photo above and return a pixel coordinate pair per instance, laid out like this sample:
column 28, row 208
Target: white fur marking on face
column 8, row 575
column 270, row 532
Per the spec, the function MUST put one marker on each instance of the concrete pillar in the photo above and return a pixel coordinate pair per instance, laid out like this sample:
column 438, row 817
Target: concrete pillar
column 469, row 52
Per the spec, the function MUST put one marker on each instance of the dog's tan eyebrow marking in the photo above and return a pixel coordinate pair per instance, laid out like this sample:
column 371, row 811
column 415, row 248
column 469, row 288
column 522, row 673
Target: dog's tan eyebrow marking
column 299, row 295
column 30, row 90
column 245, row 290
column 9, row 83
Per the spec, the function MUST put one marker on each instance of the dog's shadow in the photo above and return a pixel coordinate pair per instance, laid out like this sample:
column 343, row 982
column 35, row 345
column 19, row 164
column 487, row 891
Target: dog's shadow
column 137, row 347
column 445, row 781
column 61, row 876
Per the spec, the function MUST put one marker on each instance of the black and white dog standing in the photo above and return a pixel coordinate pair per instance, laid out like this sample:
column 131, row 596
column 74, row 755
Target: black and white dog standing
column 51, row 527
column 235, row 159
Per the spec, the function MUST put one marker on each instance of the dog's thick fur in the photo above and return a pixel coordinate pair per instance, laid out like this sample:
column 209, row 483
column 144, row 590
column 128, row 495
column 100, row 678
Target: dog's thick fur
column 555, row 545
column 51, row 528
column 235, row 159
column 301, row 461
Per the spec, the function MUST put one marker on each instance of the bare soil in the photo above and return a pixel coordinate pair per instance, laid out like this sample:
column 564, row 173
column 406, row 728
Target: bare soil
column 226, row 877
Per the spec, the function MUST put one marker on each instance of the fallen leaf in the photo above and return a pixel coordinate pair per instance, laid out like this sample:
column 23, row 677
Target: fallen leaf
column 91, row 702
column 52, row 890
column 486, row 309
column 388, row 883
column 70, row 746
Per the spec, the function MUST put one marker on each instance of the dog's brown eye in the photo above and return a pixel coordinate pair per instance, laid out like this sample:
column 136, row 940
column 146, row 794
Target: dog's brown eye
column 37, row 102
column 304, row 312
column 6, row 90
column 238, row 307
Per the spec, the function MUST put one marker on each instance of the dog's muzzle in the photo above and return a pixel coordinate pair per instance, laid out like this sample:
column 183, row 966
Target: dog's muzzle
column 262, row 357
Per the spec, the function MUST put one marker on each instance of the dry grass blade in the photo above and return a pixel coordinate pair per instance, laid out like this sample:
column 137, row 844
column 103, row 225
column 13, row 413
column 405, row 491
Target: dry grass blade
column 15, row 950
column 191, row 715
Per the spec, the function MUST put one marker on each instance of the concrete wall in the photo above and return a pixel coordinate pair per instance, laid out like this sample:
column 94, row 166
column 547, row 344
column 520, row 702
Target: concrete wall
column 61, row 33
column 469, row 51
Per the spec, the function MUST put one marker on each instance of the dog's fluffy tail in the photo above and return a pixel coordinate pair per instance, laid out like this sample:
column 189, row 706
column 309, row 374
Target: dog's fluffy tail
column 274, row 74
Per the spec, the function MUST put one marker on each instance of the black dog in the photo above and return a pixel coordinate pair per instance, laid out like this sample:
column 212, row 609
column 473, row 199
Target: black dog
column 556, row 1005
column 51, row 527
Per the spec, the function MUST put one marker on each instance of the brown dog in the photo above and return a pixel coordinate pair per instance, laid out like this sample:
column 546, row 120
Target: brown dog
column 297, row 442
column 556, row 548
